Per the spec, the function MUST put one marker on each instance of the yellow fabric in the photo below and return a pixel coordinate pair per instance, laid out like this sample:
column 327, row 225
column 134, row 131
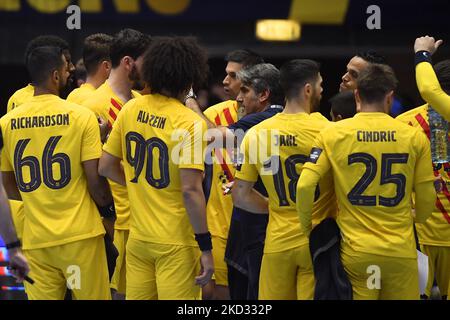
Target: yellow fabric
column 104, row 102
column 219, row 206
column 20, row 97
column 53, row 268
column 436, row 230
column 118, row 280
column 18, row 216
column 399, row 277
column 81, row 94
column 430, row 89
column 57, row 205
column 287, row 275
column 385, row 229
column 161, row 271
column 438, row 268
column 220, row 267
column 158, row 213
column 283, row 230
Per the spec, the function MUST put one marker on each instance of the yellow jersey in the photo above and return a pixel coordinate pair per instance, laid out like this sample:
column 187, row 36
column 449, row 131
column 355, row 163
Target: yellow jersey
column 81, row 94
column 219, row 206
column 45, row 142
column 20, row 97
column 376, row 161
column 436, row 230
column 156, row 136
column 105, row 103
column 276, row 150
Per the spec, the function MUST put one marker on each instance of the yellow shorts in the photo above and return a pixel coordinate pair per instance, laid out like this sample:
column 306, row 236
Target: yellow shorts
column 220, row 267
column 161, row 271
column 287, row 275
column 79, row 265
column 118, row 280
column 438, row 267
column 18, row 216
column 375, row 277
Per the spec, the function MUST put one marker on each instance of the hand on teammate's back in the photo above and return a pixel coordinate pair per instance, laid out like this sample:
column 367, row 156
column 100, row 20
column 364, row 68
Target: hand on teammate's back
column 207, row 269
column 18, row 265
column 427, row 43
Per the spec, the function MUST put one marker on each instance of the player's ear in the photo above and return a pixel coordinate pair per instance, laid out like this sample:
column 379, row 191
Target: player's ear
column 55, row 76
column 389, row 100
column 358, row 100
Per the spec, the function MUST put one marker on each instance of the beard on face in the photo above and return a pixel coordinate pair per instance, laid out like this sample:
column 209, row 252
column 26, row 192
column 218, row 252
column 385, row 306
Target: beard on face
column 315, row 101
column 66, row 88
column 135, row 79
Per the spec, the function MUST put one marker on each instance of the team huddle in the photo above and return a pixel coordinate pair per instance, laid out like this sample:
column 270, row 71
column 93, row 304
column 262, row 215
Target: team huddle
column 142, row 193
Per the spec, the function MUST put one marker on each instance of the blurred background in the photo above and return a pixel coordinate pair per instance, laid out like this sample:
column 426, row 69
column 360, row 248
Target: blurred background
column 329, row 31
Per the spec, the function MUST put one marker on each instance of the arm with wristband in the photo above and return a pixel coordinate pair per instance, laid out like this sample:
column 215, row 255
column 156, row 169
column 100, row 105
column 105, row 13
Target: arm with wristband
column 427, row 81
column 194, row 200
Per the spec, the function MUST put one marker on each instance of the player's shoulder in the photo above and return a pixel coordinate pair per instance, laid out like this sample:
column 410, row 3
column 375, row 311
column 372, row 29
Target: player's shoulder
column 410, row 115
column 221, row 106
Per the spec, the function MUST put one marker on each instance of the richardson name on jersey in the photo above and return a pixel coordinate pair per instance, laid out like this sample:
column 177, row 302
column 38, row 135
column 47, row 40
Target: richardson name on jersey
column 151, row 119
column 376, row 136
column 40, row 121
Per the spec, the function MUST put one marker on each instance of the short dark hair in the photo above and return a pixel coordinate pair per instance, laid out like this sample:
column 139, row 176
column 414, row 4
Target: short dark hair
column 294, row 74
column 372, row 56
column 95, row 50
column 128, row 42
column 442, row 70
column 42, row 61
column 375, row 82
column 343, row 104
column 45, row 41
column 264, row 76
column 174, row 64
column 245, row 57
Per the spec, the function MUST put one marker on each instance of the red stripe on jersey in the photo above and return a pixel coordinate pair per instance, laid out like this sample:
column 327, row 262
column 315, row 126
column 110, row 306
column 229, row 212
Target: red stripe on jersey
column 217, row 120
column 224, row 166
column 423, row 123
column 116, row 104
column 112, row 114
column 444, row 212
column 228, row 116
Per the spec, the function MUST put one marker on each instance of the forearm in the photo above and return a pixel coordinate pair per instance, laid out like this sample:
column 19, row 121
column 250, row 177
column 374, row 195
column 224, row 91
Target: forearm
column 194, row 201
column 194, row 106
column 430, row 89
column 111, row 168
column 7, row 229
column 306, row 187
column 249, row 199
column 9, row 181
column 425, row 201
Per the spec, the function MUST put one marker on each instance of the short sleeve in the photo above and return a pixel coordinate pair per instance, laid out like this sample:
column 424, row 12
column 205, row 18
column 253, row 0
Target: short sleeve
column 114, row 144
column 193, row 146
column 423, row 171
column 5, row 164
column 318, row 158
column 91, row 147
column 247, row 165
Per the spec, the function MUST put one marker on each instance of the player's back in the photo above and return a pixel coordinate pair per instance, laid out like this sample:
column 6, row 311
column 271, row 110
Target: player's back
column 154, row 131
column 290, row 139
column 376, row 161
column 46, row 141
column 81, row 94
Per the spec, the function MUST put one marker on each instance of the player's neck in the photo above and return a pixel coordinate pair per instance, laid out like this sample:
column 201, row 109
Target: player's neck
column 372, row 107
column 41, row 90
column 293, row 107
column 95, row 80
column 120, row 84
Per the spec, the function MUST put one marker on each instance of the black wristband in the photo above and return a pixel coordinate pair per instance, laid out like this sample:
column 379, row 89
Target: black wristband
column 12, row 245
column 204, row 241
column 108, row 211
column 422, row 56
